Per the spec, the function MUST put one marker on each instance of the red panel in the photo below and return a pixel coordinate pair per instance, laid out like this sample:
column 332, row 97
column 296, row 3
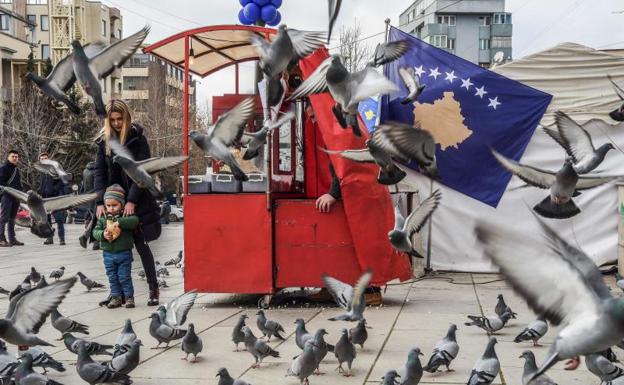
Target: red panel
column 308, row 244
column 227, row 243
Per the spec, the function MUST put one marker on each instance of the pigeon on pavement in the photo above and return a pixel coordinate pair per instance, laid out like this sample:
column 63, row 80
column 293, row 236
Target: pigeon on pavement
column 534, row 331
column 444, row 351
column 25, row 375
column 191, row 343
column 89, row 283
column 304, row 364
column 412, row 83
column 320, row 347
column 174, row 313
column 530, row 367
column 502, row 308
column 162, row 332
column 405, row 228
column 93, row 348
column 358, row 334
column 54, row 169
column 268, row 327
column 43, row 360
column 602, row 367
column 67, row 325
column 35, row 276
column 124, row 339
column 94, row 373
column 489, row 323
column 8, row 364
column 390, row 378
column 344, row 350
column 487, row 367
column 175, row 261
column 57, row 273
column 350, row 298
column 238, row 335
column 301, row 334
column 412, row 371
column 128, row 361
column 226, row 379
column 258, row 348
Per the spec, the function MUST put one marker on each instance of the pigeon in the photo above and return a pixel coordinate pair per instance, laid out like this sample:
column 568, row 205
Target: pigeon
column 344, row 350
column 162, row 272
column 141, row 273
column 57, row 273
column 66, row 325
column 301, row 334
column 162, row 332
column 348, row 297
column 124, row 339
column 533, row 332
column 563, row 185
column 257, row 140
column 578, row 297
column 502, row 308
column 412, row 371
column 258, row 348
column 349, row 89
column 42, row 283
column 29, row 310
column 530, row 368
column 175, row 261
column 191, row 343
column 128, row 361
column 34, row 275
column 320, row 347
column 93, row 348
column 358, row 335
column 487, row 367
column 22, row 287
column 25, row 375
column 412, row 83
column 226, row 379
column 334, row 9
column 609, row 354
column 174, row 313
column 238, row 335
column 43, row 360
column 162, row 283
column 4, row 291
column 604, row 369
column 405, row 228
column 89, row 283
column 8, row 364
column 62, row 78
column 618, row 113
column 268, row 327
column 577, row 143
column 40, row 207
column 141, row 171
column 304, row 364
column 390, row 378
column 54, row 169
column 90, row 70
column 226, row 130
column 619, row 281
column 444, row 351
column 490, row 323
column 94, row 373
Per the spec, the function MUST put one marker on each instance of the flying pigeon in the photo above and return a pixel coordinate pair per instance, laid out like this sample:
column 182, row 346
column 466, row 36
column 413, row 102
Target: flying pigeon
column 191, row 343
column 344, row 350
column 489, row 323
column 71, row 343
column 530, row 368
column 533, row 332
column 90, row 70
column 301, row 334
column 162, row 332
column 174, row 313
column 304, row 364
column 175, row 261
column 94, row 373
column 29, row 310
column 348, row 297
column 444, row 351
column 405, row 228
column 57, row 273
column 268, row 327
column 67, row 325
column 358, row 334
column 128, row 361
column 40, row 207
column 578, row 297
column 390, row 378
column 258, row 348
column 334, row 9
column 43, row 360
column 89, row 283
column 618, row 113
column 226, row 379
column 221, row 135
column 412, row 83
column 257, row 140
column 349, row 89
column 412, row 371
column 124, row 339
column 602, row 367
column 238, row 335
column 141, row 171
column 54, row 169
column 25, row 375
column 502, row 308
column 35, row 276
column 487, row 367
column 577, row 143
column 563, row 185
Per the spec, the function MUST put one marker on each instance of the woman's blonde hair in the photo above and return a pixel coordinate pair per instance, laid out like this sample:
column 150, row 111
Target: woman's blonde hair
column 116, row 105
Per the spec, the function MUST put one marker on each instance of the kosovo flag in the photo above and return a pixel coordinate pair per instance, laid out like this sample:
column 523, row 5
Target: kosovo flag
column 369, row 111
column 468, row 110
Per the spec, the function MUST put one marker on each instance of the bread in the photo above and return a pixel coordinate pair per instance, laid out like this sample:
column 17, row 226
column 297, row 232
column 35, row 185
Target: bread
column 113, row 227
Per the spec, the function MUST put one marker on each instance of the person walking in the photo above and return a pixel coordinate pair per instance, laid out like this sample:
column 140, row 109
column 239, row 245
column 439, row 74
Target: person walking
column 10, row 177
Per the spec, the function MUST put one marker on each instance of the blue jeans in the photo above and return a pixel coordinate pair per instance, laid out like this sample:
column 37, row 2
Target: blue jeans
column 59, row 218
column 118, row 269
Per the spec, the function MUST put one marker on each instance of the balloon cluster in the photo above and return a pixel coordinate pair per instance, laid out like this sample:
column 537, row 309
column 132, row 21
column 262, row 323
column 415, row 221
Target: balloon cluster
column 260, row 10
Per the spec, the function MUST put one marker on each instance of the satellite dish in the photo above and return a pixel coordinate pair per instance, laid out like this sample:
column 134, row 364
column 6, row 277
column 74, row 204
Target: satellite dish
column 499, row 57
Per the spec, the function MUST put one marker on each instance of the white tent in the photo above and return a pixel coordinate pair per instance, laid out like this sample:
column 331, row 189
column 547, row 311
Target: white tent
column 576, row 77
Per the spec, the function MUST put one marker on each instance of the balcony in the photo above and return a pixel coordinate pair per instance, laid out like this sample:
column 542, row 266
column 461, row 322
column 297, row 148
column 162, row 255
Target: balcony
column 485, row 31
column 503, row 30
column 435, row 29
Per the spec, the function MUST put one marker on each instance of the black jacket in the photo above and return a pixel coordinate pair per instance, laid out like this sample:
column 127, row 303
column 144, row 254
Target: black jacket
column 6, row 172
column 50, row 187
column 108, row 173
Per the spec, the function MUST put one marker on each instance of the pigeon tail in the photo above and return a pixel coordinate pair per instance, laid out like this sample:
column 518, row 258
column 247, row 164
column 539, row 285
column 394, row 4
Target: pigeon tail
column 40, row 342
column 434, row 363
column 337, row 110
column 341, row 317
column 56, row 366
column 415, row 254
column 550, row 361
column 355, row 126
column 73, row 107
column 278, row 335
column 238, row 173
column 100, row 109
column 250, row 154
column 548, row 209
column 391, row 177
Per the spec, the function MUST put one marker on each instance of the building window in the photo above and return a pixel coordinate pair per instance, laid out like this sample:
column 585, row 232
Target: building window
column 37, row 2
column 484, row 43
column 45, row 51
column 118, row 33
column 451, row 44
column 6, row 1
column 103, row 27
column 446, row 19
column 501, row 42
column 440, row 41
column 32, row 19
column 5, row 21
column 502, row 18
column 45, row 26
column 485, row 20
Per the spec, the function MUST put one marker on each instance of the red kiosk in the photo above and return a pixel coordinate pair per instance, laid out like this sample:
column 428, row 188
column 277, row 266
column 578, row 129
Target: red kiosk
column 263, row 241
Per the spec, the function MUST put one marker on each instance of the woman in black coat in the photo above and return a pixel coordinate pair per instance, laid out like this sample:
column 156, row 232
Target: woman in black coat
column 118, row 124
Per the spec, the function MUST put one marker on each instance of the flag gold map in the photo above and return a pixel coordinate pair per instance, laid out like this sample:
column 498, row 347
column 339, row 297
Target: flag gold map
column 444, row 120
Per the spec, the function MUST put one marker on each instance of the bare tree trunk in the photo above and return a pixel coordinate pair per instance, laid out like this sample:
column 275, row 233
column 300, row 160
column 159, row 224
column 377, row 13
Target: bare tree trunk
column 355, row 53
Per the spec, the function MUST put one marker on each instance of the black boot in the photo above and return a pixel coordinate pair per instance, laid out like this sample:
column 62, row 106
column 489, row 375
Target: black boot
column 83, row 241
column 49, row 241
column 153, row 297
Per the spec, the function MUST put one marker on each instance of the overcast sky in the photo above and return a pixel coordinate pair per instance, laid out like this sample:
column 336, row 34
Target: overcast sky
column 537, row 24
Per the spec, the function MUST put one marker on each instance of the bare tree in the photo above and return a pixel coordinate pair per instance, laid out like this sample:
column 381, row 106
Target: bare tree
column 355, row 53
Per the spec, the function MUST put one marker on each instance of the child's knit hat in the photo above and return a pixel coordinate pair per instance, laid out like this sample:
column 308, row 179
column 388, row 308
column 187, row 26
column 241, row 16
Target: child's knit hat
column 116, row 192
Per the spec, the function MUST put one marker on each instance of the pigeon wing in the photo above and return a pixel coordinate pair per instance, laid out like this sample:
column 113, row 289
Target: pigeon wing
column 554, row 134
column 287, row 117
column 550, row 284
column 119, row 149
column 388, row 52
column 261, row 46
column 360, row 156
column 618, row 90
column 407, row 142
column 19, row 195
column 230, row 125
column 368, row 83
column 532, row 175
column 316, row 83
column 64, row 201
column 577, row 139
column 306, row 42
column 29, row 310
column 334, row 9
column 358, row 301
column 417, row 218
column 399, row 220
column 154, row 165
column 179, row 308
column 116, row 54
column 588, row 181
column 341, row 291
column 63, row 72
column 407, row 75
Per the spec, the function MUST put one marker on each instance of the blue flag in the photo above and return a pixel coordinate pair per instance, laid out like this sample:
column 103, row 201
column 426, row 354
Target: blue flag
column 468, row 110
column 369, row 111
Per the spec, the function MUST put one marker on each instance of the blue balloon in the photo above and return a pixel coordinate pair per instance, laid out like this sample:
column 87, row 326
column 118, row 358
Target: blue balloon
column 268, row 13
column 276, row 21
column 261, row 3
column 243, row 19
column 276, row 3
column 251, row 12
column 245, row 2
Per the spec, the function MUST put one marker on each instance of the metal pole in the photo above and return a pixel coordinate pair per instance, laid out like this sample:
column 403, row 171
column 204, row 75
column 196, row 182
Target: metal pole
column 186, row 112
column 429, row 228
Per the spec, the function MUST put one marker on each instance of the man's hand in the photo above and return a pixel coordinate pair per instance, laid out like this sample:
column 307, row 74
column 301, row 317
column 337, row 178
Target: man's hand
column 324, row 203
column 129, row 209
column 100, row 211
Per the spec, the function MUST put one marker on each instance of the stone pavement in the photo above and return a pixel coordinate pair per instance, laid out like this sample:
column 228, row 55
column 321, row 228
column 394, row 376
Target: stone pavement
column 413, row 314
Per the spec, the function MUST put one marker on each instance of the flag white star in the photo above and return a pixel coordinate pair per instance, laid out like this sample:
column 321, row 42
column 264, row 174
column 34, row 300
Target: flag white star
column 481, row 92
column 494, row 102
column 466, row 84
column 419, row 70
column 450, row 76
column 434, row 73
